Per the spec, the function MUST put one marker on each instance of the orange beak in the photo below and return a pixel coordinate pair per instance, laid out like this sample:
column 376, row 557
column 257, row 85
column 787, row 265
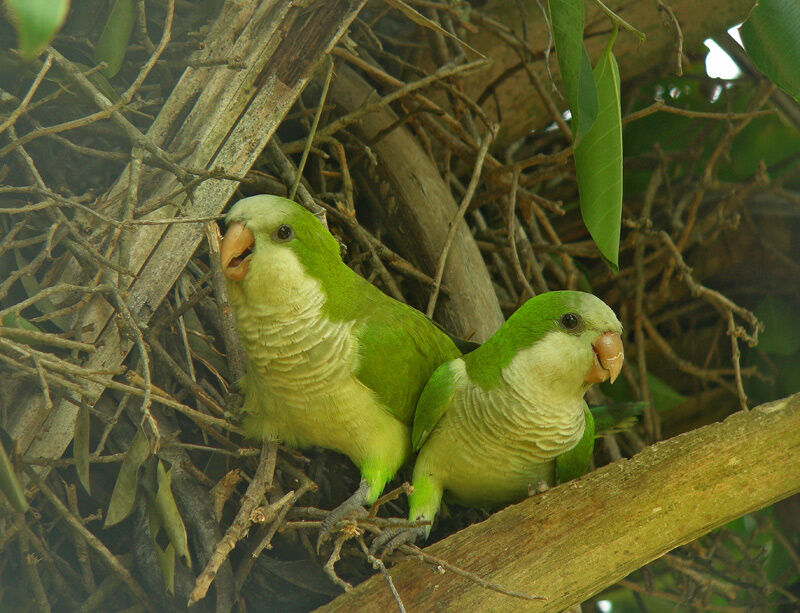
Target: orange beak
column 608, row 358
column 235, row 251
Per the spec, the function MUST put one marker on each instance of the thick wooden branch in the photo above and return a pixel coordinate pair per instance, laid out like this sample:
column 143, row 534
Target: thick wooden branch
column 574, row 540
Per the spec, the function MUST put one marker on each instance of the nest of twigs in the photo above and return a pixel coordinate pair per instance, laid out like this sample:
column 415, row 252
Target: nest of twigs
column 118, row 357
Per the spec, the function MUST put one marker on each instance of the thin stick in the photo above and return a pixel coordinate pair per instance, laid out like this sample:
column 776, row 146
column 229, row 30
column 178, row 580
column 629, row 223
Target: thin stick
column 95, row 543
column 420, row 554
column 261, row 481
column 11, row 120
column 512, row 233
column 736, row 355
column 313, row 130
column 378, row 563
column 462, row 210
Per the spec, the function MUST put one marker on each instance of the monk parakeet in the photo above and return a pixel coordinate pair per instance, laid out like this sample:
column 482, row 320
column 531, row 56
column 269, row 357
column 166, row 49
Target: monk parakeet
column 495, row 424
column 331, row 360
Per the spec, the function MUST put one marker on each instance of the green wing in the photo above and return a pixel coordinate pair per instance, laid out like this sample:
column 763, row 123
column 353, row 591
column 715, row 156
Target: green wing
column 434, row 401
column 575, row 462
column 399, row 348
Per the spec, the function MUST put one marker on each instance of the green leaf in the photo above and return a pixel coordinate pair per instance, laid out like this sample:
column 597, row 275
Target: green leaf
column 781, row 335
column 166, row 562
column 80, row 446
column 598, row 163
column 771, row 37
column 36, row 22
column 166, row 556
column 12, row 320
column 566, row 19
column 9, row 484
column 115, row 37
column 170, row 517
column 124, row 494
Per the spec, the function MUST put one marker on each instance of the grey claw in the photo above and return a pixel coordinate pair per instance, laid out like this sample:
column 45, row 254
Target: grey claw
column 393, row 538
column 349, row 509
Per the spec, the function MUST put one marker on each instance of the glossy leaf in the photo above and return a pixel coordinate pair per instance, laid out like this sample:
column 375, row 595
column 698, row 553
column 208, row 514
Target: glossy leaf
column 115, row 37
column 170, row 517
column 80, row 445
column 566, row 20
column 9, row 484
column 124, row 494
column 598, row 163
column 771, row 37
column 36, row 22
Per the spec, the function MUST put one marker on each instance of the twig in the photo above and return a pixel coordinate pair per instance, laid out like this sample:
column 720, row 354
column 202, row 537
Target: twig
column 336, row 554
column 15, row 114
column 326, row 85
column 233, row 347
column 663, row 107
column 735, row 356
column 95, row 543
column 366, row 109
column 462, row 210
column 512, row 234
column 426, row 557
column 617, row 20
column 652, row 421
column 262, row 480
column 378, row 563
column 670, row 14
column 30, row 563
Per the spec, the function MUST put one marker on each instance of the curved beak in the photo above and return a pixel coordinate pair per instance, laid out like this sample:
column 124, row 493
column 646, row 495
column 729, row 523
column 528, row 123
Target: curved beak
column 235, row 251
column 608, row 358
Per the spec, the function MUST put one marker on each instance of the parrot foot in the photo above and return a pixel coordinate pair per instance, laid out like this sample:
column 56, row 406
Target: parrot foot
column 540, row 487
column 352, row 508
column 392, row 538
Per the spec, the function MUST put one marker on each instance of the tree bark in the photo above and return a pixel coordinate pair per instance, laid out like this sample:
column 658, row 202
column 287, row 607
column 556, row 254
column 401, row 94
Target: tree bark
column 522, row 107
column 571, row 542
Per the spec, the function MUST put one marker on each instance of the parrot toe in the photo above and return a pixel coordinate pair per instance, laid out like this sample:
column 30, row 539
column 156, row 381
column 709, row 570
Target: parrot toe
column 538, row 488
column 392, row 538
column 352, row 508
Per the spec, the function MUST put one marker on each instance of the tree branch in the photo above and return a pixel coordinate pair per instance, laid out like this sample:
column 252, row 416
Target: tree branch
column 574, row 540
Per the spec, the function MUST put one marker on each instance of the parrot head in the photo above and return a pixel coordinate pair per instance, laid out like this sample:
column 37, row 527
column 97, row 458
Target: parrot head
column 565, row 340
column 272, row 246
column 576, row 336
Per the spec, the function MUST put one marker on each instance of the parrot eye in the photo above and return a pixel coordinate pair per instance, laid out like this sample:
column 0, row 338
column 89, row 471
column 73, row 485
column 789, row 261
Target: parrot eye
column 570, row 321
column 284, row 233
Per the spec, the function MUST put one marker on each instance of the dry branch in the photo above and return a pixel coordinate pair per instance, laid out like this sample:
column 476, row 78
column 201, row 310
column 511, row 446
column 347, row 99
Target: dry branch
column 571, row 542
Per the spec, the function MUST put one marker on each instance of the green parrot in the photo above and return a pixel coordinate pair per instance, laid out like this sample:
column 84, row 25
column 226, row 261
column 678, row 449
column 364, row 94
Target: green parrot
column 509, row 418
column 331, row 360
